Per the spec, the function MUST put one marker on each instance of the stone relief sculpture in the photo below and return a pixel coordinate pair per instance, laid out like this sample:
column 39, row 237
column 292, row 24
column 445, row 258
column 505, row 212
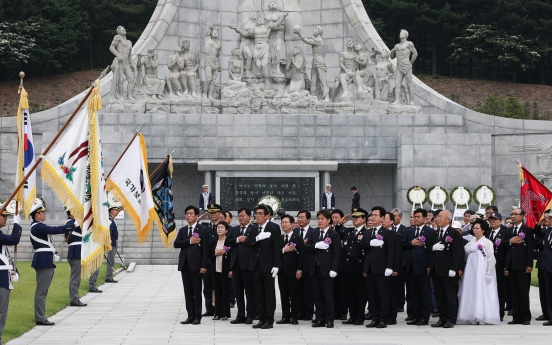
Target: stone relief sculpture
column 348, row 65
column 172, row 79
column 364, row 80
column 189, row 70
column 402, row 51
column 122, row 65
column 247, row 44
column 236, row 94
column 149, row 84
column 384, row 71
column 296, row 65
column 211, row 62
column 318, row 69
column 276, row 39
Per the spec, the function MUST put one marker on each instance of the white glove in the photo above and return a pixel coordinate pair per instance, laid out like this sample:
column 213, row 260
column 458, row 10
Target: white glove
column 263, row 236
column 14, row 276
column 438, row 247
column 333, row 274
column 321, row 245
column 388, row 272
column 452, row 273
column 488, row 279
column 76, row 224
column 376, row 243
column 274, row 272
column 56, row 258
column 16, row 219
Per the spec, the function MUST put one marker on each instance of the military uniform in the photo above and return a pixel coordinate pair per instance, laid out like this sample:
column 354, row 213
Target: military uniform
column 351, row 264
column 208, row 276
column 73, row 235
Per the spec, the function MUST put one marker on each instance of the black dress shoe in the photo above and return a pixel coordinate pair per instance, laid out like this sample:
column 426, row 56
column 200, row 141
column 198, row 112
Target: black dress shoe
column 515, row 322
column 78, row 304
column 526, row 323
column 421, row 323
column 314, row 320
column 448, row 325
column 294, row 321
column 391, row 321
column 208, row 313
column 266, row 325
column 236, row 321
column 187, row 321
column 196, row 322
column 542, row 318
column 438, row 324
column 45, row 323
column 283, row 321
column 367, row 316
column 319, row 324
column 349, row 322
column 258, row 324
column 412, row 322
column 372, row 324
column 434, row 314
column 95, row 290
column 111, row 281
column 330, row 325
column 410, row 318
column 359, row 322
column 382, row 325
column 248, row 321
column 548, row 323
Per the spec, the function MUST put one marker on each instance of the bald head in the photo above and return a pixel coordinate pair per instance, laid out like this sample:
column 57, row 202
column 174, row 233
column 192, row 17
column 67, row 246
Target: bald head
column 443, row 219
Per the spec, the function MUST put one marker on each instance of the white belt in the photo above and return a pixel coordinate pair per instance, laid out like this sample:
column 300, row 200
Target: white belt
column 74, row 244
column 76, row 234
column 41, row 241
column 5, row 259
column 51, row 250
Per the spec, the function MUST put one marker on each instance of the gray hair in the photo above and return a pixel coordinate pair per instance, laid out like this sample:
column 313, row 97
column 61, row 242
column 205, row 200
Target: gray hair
column 398, row 210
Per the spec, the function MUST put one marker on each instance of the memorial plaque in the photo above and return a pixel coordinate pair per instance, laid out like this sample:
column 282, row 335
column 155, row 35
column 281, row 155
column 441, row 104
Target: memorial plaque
column 295, row 193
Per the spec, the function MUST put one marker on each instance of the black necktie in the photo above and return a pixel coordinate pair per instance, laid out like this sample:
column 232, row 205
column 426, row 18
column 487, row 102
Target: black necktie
column 440, row 234
column 286, row 241
column 516, row 231
column 394, row 228
column 321, row 235
column 495, row 232
column 417, row 232
column 302, row 233
column 190, row 231
column 242, row 230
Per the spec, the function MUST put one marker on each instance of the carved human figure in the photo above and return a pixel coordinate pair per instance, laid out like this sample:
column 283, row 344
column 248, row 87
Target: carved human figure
column 403, row 52
column 189, row 71
column 363, row 75
column 172, row 79
column 296, row 64
column 261, row 51
column 211, row 62
column 247, row 44
column 384, row 71
column 151, row 85
column 122, row 66
column 318, row 70
column 348, row 67
column 276, row 39
column 235, row 71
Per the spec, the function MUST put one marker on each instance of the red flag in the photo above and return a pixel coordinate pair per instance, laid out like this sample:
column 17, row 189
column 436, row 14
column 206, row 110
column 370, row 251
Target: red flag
column 535, row 197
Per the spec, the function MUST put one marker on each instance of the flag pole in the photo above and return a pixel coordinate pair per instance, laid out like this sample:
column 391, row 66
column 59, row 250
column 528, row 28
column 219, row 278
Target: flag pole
column 126, row 149
column 163, row 162
column 33, row 168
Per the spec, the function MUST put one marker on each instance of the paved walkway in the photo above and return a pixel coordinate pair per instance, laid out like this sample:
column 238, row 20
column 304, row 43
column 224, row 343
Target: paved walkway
column 145, row 307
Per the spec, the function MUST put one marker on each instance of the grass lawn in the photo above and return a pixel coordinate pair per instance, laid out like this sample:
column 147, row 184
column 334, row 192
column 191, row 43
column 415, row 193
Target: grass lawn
column 534, row 277
column 21, row 309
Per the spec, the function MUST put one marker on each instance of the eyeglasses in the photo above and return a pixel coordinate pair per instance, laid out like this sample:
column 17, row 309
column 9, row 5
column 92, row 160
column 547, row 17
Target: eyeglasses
column 509, row 223
column 515, row 214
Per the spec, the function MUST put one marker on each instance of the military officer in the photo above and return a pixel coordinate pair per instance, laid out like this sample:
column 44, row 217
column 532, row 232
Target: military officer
column 214, row 214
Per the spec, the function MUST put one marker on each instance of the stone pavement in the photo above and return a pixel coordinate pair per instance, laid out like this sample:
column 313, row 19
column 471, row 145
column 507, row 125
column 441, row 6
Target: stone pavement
column 145, row 307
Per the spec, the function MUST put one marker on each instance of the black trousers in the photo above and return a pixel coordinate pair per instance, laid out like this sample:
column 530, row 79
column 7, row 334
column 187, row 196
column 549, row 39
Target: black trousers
column 548, row 282
column 378, row 296
column 394, row 296
column 323, row 288
column 501, row 283
column 208, row 290
column 508, row 293
column 520, row 283
column 243, row 282
column 402, row 290
column 306, row 296
column 340, row 296
column 221, row 285
column 419, row 293
column 289, row 295
column 542, row 293
column 192, row 291
column 265, row 294
column 355, row 294
column 446, row 294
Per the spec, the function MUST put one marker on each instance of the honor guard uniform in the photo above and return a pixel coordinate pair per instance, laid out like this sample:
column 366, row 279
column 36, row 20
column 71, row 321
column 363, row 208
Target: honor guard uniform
column 205, row 198
column 110, row 258
column 8, row 275
column 328, row 199
column 73, row 237
column 43, row 259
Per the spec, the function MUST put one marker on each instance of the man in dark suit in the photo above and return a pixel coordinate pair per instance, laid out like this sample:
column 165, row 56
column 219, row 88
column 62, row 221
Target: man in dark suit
column 540, row 244
column 546, row 266
column 395, row 279
column 239, row 266
column 206, row 198
column 401, row 230
column 497, row 235
column 306, row 297
column 325, row 246
column 291, row 270
column 519, row 264
column 379, row 253
column 356, row 198
column 193, row 241
column 264, row 239
column 445, row 246
column 415, row 268
column 341, row 302
column 351, row 264
column 211, row 227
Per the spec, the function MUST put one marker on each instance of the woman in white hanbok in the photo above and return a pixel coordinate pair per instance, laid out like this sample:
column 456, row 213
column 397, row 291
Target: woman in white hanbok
column 478, row 293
